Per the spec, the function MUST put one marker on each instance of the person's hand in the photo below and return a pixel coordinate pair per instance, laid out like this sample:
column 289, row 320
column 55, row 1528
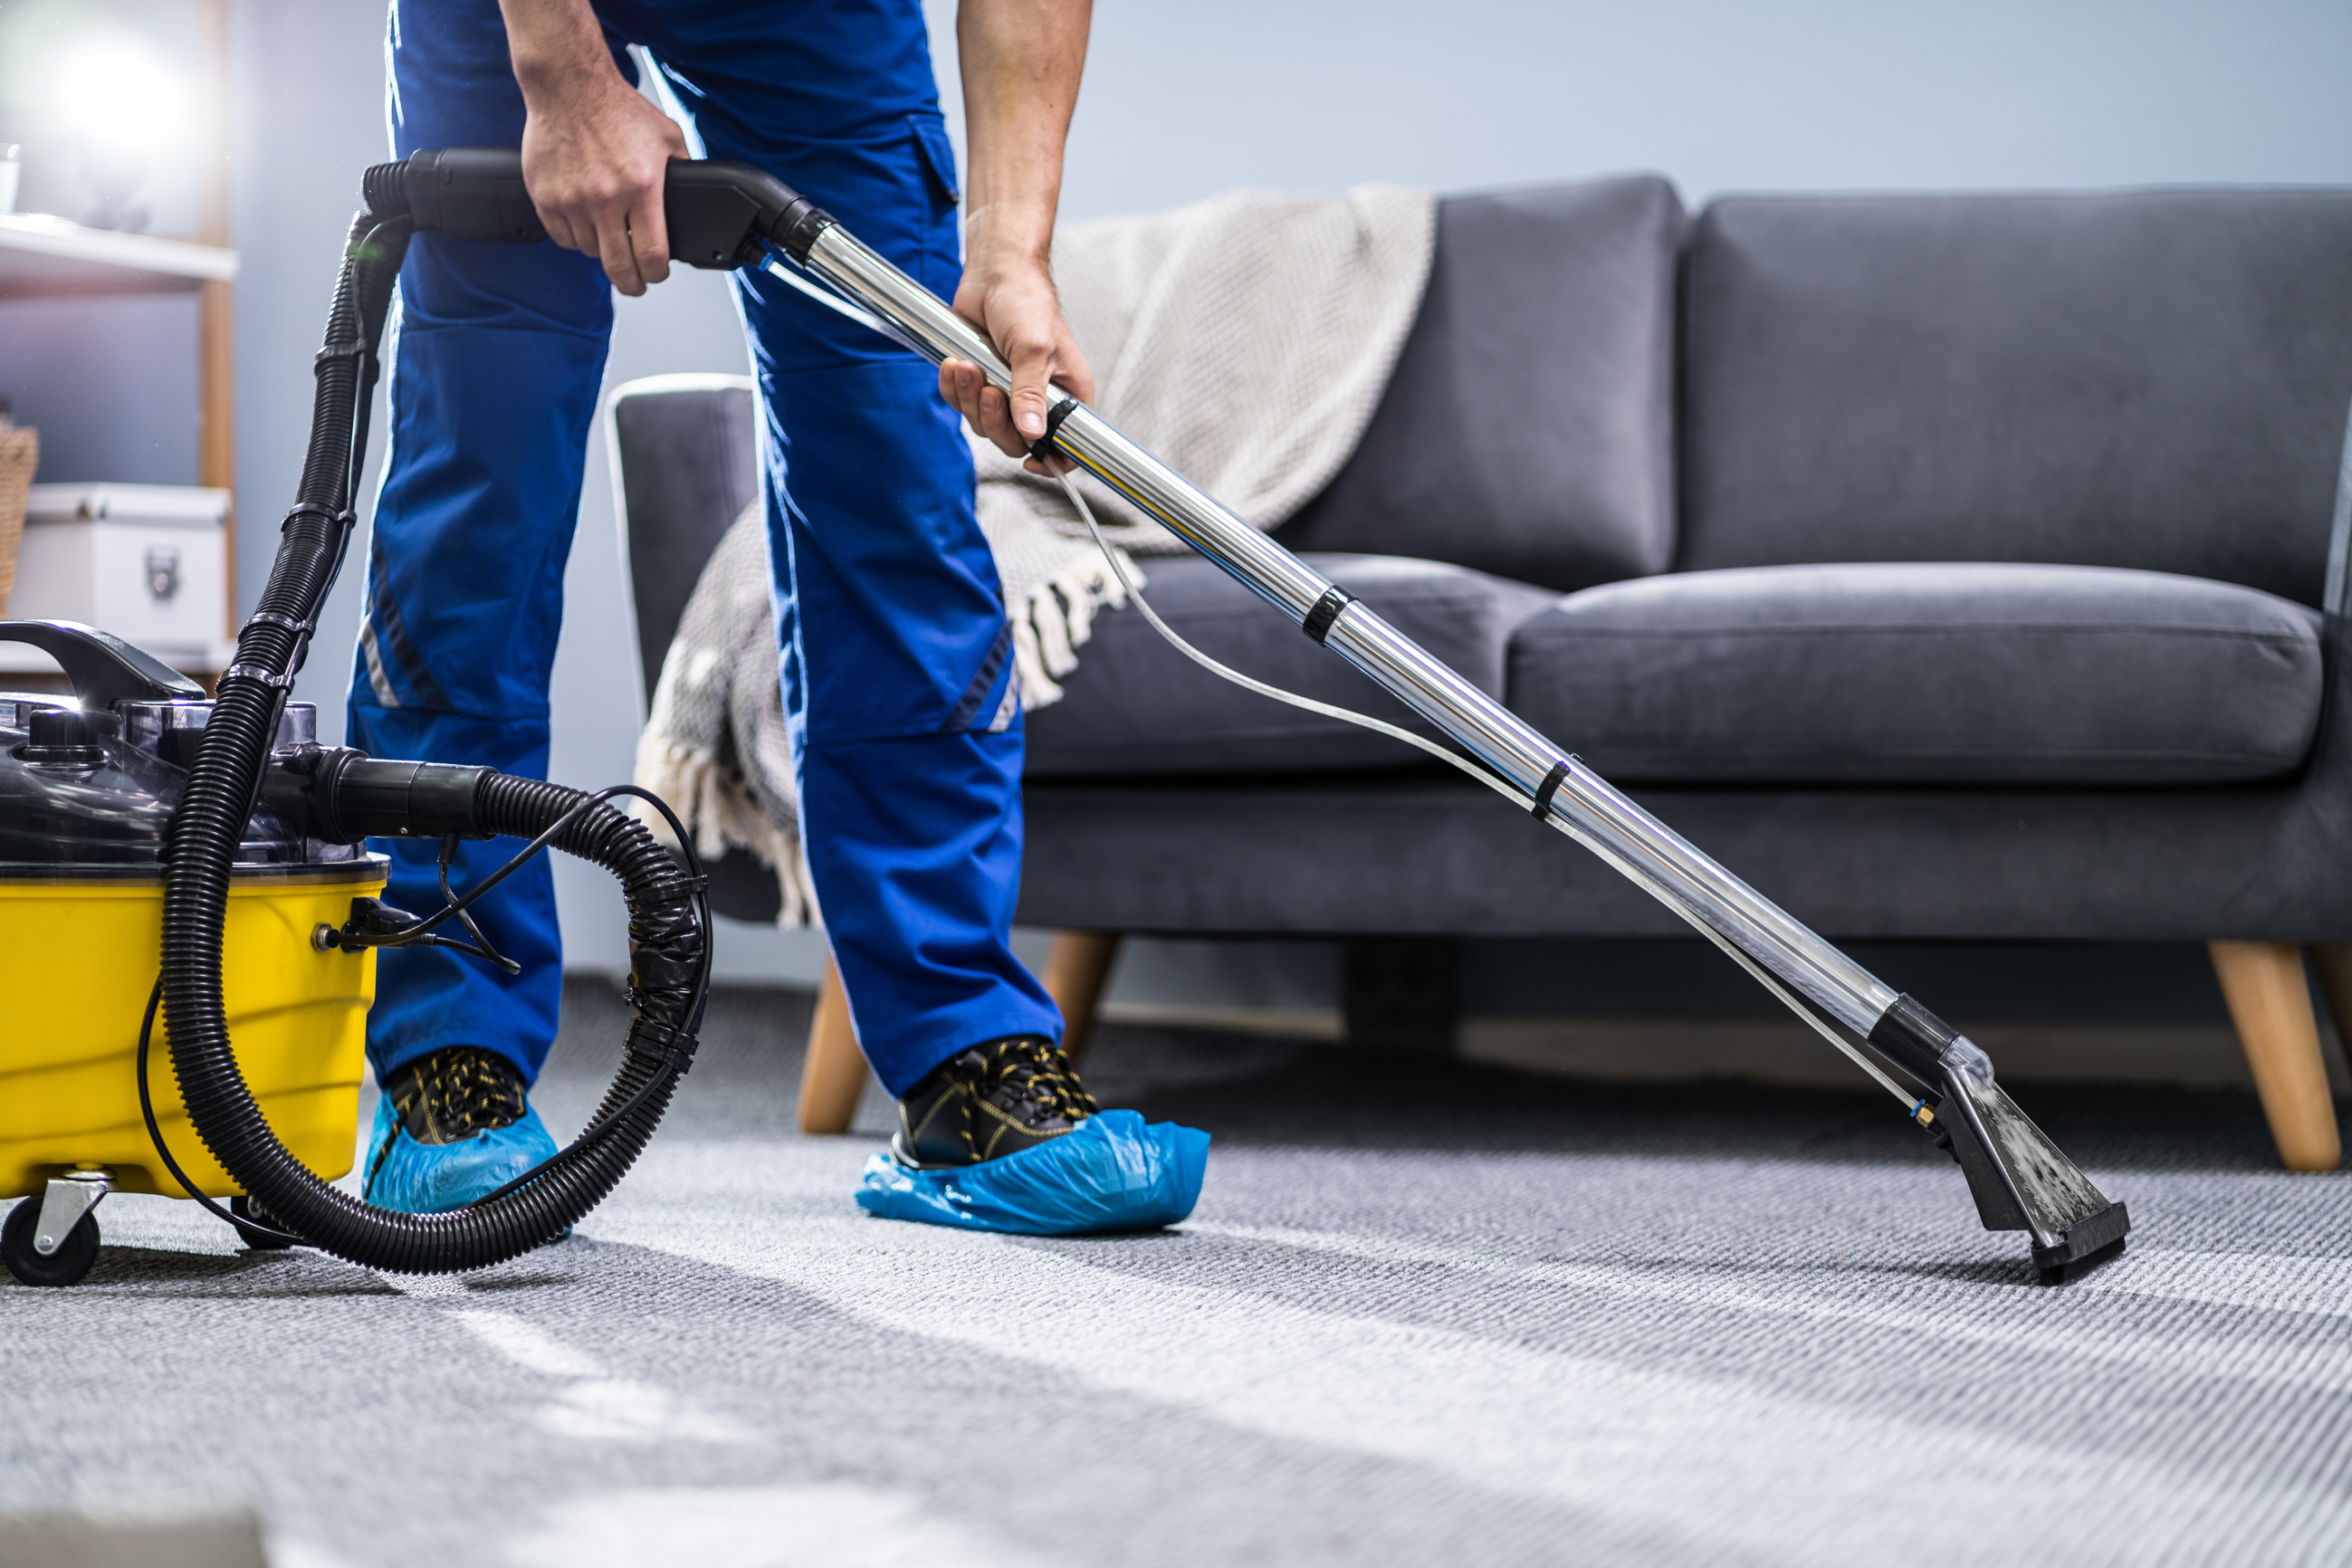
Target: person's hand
column 594, row 156
column 1011, row 298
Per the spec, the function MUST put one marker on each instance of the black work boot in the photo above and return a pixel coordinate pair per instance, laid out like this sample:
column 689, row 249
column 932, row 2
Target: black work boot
column 993, row 1099
column 456, row 1092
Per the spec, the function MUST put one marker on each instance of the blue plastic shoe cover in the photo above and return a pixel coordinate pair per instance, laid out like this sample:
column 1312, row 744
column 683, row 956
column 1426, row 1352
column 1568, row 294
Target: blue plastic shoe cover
column 1110, row 1173
column 426, row 1178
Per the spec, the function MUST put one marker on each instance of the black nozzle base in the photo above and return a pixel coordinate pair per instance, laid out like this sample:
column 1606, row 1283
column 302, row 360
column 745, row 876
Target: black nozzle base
column 2084, row 1246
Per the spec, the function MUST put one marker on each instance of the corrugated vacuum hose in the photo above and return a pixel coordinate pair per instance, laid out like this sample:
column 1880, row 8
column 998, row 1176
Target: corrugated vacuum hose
column 344, row 796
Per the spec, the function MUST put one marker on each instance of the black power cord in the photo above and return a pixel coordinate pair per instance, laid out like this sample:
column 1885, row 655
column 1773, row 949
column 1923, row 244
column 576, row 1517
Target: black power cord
column 589, row 1135
column 481, row 947
column 246, row 1227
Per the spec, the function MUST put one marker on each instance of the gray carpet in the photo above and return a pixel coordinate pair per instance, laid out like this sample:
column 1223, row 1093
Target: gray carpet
column 1425, row 1313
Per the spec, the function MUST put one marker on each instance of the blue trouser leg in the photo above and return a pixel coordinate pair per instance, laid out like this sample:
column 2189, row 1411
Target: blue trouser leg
column 498, row 351
column 896, row 655
column 899, row 678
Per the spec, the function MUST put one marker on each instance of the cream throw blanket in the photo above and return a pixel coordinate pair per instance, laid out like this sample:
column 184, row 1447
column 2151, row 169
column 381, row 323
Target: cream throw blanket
column 1245, row 338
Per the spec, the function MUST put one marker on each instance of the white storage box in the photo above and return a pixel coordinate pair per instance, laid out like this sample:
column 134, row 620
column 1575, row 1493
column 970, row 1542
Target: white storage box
column 147, row 563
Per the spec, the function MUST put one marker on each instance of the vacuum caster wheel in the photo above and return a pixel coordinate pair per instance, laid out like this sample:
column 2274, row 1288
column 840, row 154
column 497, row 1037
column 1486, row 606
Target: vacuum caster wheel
column 66, row 1265
column 246, row 1208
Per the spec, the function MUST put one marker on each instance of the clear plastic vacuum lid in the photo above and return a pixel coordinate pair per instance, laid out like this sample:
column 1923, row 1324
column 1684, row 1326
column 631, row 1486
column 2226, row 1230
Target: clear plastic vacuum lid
column 80, row 787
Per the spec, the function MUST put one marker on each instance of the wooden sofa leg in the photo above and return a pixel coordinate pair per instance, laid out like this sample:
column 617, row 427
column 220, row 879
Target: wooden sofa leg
column 833, row 1073
column 1076, row 973
column 2332, row 962
column 2270, row 1001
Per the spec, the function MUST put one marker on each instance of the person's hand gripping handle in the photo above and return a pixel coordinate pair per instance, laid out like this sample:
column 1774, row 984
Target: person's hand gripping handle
column 1020, row 61
column 594, row 152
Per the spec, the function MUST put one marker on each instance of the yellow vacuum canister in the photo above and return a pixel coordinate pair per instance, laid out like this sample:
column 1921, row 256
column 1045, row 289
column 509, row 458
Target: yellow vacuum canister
column 87, row 787
column 76, row 955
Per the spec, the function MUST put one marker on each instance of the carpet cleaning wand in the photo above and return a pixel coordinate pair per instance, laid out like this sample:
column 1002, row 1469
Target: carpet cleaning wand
column 729, row 215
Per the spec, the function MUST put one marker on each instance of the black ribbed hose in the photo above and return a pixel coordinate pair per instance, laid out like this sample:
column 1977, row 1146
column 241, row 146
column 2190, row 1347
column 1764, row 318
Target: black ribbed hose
column 668, row 959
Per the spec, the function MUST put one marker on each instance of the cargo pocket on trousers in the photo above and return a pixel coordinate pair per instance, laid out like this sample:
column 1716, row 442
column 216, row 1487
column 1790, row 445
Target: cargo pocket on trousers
column 937, row 155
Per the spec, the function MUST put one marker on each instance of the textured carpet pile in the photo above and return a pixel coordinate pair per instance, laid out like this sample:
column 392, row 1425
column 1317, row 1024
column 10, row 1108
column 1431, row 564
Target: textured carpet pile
column 1425, row 1313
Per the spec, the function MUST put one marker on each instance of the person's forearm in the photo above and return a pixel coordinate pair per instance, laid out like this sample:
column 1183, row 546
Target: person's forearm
column 557, row 46
column 1020, row 61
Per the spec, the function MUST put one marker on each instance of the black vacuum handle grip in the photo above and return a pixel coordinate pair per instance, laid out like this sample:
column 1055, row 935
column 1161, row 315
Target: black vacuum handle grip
column 102, row 668
column 465, row 193
column 720, row 215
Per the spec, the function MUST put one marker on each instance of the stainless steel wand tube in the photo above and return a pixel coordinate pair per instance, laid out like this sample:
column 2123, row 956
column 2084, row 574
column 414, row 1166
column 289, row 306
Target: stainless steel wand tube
column 1560, row 788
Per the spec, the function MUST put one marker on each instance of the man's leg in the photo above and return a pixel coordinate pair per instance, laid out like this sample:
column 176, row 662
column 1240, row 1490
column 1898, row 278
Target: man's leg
column 897, row 668
column 498, row 351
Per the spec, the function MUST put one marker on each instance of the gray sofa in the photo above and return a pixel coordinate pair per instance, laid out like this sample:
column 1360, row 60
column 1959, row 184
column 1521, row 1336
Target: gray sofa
column 1949, row 567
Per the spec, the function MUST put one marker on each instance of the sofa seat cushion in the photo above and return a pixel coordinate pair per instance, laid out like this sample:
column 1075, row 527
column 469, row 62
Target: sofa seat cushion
column 1136, row 707
column 1924, row 674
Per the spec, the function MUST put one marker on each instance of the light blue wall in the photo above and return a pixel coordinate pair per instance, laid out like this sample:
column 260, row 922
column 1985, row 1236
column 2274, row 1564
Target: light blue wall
column 1185, row 100
column 1182, row 100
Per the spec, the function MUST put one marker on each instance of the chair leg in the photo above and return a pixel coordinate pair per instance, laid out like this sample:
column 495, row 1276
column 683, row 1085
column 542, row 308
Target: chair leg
column 2270, row 1001
column 1076, row 973
column 2332, row 962
column 833, row 1073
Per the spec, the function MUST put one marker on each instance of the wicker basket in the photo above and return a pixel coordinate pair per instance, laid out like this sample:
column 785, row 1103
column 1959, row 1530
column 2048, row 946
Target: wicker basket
column 20, row 453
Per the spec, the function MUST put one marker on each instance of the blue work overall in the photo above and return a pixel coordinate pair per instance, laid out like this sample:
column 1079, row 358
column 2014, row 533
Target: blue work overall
column 896, row 657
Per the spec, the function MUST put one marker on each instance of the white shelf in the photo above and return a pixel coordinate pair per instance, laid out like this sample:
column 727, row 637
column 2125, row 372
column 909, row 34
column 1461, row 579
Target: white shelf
column 16, row 658
column 45, row 257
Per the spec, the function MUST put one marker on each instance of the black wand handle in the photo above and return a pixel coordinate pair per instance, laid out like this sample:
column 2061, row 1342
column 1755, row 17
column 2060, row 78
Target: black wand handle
column 722, row 216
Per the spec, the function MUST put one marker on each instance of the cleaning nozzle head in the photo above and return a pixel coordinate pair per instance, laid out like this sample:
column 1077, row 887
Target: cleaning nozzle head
column 2019, row 1179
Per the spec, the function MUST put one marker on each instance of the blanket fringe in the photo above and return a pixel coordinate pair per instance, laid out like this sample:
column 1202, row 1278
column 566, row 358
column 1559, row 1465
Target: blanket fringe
column 1057, row 617
column 718, row 808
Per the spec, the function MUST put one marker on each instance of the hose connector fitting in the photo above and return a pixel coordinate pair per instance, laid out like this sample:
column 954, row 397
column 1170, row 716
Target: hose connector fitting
column 340, row 795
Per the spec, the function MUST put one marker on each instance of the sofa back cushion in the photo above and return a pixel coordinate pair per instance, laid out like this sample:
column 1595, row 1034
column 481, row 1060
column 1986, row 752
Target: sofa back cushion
column 2147, row 379
column 1528, row 430
column 686, row 451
